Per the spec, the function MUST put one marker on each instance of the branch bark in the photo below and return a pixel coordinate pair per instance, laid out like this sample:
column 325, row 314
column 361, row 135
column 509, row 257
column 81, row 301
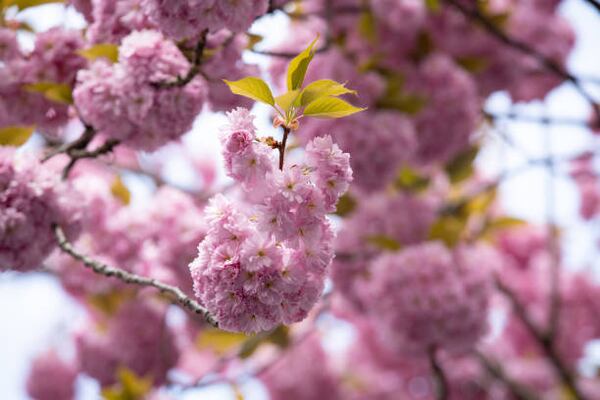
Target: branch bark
column 127, row 277
column 548, row 63
column 546, row 344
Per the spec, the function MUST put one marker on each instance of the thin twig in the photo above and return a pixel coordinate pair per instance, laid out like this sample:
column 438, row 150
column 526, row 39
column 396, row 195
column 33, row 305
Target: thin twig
column 544, row 342
column 537, row 120
column 79, row 144
column 548, row 63
column 127, row 277
column 77, row 155
column 441, row 382
column 519, row 391
column 594, row 3
column 282, row 145
column 194, row 70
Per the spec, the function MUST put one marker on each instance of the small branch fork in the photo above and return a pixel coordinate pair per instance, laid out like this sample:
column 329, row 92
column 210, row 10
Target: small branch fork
column 77, row 150
column 181, row 81
column 544, row 340
column 127, row 277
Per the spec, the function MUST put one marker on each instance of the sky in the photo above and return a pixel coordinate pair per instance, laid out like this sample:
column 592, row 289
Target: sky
column 35, row 313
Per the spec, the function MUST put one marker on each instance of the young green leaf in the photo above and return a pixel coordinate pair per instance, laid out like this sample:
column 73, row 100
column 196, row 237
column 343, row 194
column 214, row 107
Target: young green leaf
column 102, row 50
column 330, row 107
column 58, row 92
column 298, row 67
column 15, row 135
column 323, row 88
column 23, row 4
column 287, row 100
column 252, row 87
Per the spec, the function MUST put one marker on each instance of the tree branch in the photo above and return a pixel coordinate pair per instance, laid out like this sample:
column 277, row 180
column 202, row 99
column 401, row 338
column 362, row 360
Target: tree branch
column 474, row 14
column 544, row 341
column 181, row 81
column 495, row 369
column 282, row 145
column 594, row 3
column 439, row 375
column 77, row 154
column 127, row 277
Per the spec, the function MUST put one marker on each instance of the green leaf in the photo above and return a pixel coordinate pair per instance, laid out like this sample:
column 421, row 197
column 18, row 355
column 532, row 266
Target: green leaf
column 410, row 104
column 345, row 205
column 279, row 337
column 129, row 386
column 15, row 135
column 287, row 100
column 461, row 167
column 252, row 87
column 409, row 179
column 367, row 26
column 120, row 191
column 473, row 64
column 323, row 88
column 24, row 4
column 253, row 40
column 58, row 92
column 448, row 229
column 384, row 242
column 219, row 341
column 298, row 67
column 432, row 5
column 330, row 107
column 102, row 50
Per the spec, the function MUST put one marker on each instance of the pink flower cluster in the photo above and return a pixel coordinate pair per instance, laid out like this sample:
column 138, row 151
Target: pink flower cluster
column 183, row 19
column 122, row 101
column 265, row 256
column 158, row 240
column 32, row 199
column 380, row 143
column 444, row 125
column 53, row 60
column 51, row 378
column 401, row 218
column 137, row 338
column 281, row 378
column 112, row 20
column 428, row 296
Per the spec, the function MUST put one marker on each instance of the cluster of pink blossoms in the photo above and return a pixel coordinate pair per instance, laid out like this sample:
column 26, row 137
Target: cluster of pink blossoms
column 158, row 240
column 182, row 19
column 265, row 256
column 53, row 60
column 123, row 101
column 51, row 378
column 429, row 297
column 32, row 199
column 137, row 338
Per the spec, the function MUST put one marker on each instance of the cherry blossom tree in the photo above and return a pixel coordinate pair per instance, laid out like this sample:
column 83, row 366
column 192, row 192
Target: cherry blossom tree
column 359, row 204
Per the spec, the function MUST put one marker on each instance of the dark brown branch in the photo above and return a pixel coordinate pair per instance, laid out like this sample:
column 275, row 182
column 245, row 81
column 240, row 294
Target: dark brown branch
column 594, row 3
column 537, row 120
column 181, row 81
column 79, row 144
column 76, row 154
column 548, row 63
column 282, row 146
column 441, row 382
column 287, row 54
column 127, row 277
column 519, row 391
column 546, row 344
